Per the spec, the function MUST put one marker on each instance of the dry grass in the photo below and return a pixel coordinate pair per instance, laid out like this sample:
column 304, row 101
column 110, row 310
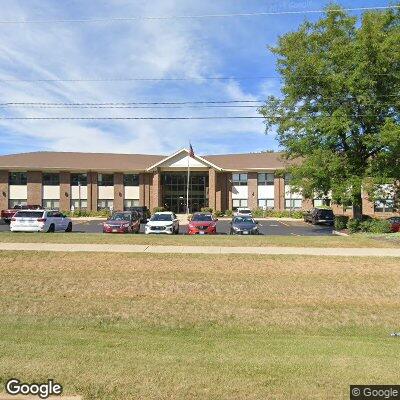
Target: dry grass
column 219, row 240
column 196, row 327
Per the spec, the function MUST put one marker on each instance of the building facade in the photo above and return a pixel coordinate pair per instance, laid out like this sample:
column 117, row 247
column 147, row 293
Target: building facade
column 96, row 181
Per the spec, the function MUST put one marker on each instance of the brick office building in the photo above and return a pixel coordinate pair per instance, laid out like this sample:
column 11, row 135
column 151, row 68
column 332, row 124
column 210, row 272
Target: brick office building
column 96, row 181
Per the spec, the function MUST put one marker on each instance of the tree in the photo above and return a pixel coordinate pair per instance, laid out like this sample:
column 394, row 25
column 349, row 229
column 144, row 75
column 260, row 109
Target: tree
column 339, row 113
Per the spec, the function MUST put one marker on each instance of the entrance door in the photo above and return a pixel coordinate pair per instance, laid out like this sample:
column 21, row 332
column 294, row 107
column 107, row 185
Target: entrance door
column 174, row 191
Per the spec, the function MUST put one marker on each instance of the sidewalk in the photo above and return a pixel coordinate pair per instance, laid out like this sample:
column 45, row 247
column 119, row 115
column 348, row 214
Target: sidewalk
column 128, row 248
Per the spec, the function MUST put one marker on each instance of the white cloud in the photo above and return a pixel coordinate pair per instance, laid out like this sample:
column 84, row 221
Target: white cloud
column 145, row 49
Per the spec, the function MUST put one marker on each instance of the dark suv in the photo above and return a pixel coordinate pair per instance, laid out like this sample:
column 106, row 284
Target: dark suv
column 143, row 212
column 319, row 216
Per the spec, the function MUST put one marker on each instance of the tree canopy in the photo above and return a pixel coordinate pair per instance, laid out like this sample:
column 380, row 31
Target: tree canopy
column 339, row 109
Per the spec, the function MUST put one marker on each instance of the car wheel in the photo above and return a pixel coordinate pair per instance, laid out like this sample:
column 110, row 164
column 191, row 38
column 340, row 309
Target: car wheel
column 69, row 227
column 51, row 229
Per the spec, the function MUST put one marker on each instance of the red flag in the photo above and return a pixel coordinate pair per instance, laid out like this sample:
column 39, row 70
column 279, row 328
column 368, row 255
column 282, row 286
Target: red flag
column 191, row 152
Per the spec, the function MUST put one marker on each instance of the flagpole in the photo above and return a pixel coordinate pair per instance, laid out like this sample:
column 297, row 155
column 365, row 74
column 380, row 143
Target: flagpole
column 187, row 186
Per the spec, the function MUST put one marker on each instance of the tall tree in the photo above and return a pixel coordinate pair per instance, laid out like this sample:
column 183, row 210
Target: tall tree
column 339, row 113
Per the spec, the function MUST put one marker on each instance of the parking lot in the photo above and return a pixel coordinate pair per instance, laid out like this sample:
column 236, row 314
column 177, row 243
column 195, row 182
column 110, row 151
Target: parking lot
column 267, row 227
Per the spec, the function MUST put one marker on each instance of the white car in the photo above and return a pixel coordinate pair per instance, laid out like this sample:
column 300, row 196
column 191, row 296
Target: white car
column 241, row 211
column 162, row 222
column 40, row 221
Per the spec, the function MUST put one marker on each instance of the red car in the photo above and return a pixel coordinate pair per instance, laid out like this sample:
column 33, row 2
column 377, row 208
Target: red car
column 6, row 215
column 122, row 222
column 202, row 224
column 395, row 224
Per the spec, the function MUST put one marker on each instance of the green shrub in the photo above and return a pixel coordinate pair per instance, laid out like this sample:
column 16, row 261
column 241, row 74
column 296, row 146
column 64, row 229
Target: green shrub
column 158, row 209
column 378, row 226
column 228, row 213
column 341, row 222
column 365, row 226
column 206, row 209
column 85, row 213
column 353, row 225
column 258, row 212
column 218, row 213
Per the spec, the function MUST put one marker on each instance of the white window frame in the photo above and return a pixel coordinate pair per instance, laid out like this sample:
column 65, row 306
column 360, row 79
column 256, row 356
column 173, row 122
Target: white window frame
column 268, row 203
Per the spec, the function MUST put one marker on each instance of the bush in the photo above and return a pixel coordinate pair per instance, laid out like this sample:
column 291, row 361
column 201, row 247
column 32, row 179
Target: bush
column 377, row 226
column 341, row 222
column 218, row 213
column 353, row 225
column 206, row 209
column 228, row 213
column 258, row 212
column 85, row 213
column 284, row 214
column 158, row 209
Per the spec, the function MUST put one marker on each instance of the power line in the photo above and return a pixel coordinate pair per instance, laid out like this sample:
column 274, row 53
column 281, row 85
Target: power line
column 203, row 16
column 129, row 118
column 128, row 79
column 140, row 79
column 165, row 118
column 133, row 103
column 136, row 107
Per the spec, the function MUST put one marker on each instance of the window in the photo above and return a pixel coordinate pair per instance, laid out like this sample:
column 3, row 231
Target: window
column 269, row 204
column 130, row 203
column 78, row 205
column 288, row 178
column 51, row 179
column 17, row 178
column 51, row 204
column 105, row 180
column 105, row 205
column 239, row 179
column 77, row 179
column 292, row 204
column 131, row 180
column 236, row 203
column 20, row 202
column 321, row 202
column 384, row 205
column 266, row 179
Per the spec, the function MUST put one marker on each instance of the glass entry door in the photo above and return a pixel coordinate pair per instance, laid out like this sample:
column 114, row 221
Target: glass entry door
column 174, row 191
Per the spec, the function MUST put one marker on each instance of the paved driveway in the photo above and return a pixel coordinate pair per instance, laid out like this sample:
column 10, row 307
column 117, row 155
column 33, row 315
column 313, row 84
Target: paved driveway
column 267, row 227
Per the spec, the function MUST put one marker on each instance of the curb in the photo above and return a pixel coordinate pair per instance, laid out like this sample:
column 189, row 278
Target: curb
column 338, row 233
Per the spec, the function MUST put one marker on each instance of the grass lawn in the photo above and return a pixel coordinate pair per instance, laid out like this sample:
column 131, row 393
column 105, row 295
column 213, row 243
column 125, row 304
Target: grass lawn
column 143, row 326
column 359, row 240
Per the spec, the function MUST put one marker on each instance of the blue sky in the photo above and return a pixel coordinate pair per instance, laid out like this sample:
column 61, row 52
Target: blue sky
column 187, row 48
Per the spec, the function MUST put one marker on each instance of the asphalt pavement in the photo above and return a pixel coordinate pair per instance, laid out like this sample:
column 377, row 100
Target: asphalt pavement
column 267, row 227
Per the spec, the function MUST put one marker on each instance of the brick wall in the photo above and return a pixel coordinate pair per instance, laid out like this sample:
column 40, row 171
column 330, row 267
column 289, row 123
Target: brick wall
column 65, row 191
column 92, row 191
column 279, row 193
column 145, row 181
column 3, row 190
column 212, row 188
column 367, row 205
column 156, row 194
column 252, row 189
column 34, row 187
column 118, row 191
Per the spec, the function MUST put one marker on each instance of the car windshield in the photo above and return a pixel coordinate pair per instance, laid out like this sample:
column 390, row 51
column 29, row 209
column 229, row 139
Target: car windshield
column 121, row 217
column 161, row 217
column 241, row 220
column 244, row 211
column 28, row 214
column 202, row 217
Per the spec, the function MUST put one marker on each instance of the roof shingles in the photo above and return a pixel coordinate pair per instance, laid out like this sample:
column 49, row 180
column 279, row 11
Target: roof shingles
column 74, row 161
